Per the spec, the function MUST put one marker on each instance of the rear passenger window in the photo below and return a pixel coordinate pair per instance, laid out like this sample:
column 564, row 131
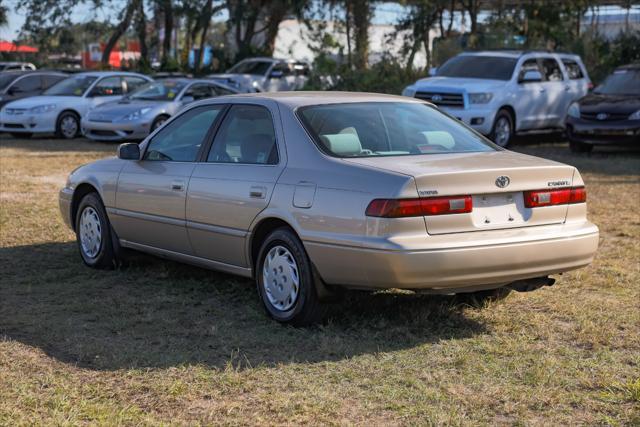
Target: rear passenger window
column 108, row 86
column 245, row 136
column 551, row 70
column 573, row 69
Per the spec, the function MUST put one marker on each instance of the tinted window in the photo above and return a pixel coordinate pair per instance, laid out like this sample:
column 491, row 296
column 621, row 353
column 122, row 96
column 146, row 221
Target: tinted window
column 220, row 91
column 134, row 83
column 27, row 84
column 109, row 86
column 51, row 79
column 165, row 90
column 199, row 91
column 245, row 136
column 282, row 67
column 530, row 65
column 372, row 129
column 551, row 69
column 72, row 86
column 478, row 67
column 573, row 69
column 621, row 82
column 5, row 79
column 181, row 139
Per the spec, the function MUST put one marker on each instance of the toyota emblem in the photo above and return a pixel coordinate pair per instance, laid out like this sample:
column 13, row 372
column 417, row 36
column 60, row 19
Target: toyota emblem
column 436, row 98
column 502, row 181
column 602, row 116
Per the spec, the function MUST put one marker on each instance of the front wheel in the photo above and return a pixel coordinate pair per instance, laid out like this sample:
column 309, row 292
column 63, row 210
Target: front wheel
column 502, row 130
column 285, row 281
column 158, row 121
column 68, row 125
column 93, row 233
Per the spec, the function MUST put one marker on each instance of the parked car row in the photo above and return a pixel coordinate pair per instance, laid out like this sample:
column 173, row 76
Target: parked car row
column 501, row 93
column 100, row 105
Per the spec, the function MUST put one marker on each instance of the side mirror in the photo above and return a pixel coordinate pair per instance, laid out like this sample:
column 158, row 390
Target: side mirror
column 531, row 76
column 129, row 151
column 187, row 99
column 433, row 71
column 276, row 74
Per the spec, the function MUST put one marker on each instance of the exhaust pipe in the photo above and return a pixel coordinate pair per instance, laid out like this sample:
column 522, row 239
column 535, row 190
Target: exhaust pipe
column 528, row 285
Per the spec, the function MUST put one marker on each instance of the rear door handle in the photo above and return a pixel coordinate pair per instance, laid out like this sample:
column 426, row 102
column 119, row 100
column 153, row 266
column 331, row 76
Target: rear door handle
column 177, row 185
column 257, row 192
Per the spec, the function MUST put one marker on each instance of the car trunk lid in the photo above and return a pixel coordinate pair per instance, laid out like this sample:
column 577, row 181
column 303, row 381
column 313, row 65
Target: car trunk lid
column 496, row 181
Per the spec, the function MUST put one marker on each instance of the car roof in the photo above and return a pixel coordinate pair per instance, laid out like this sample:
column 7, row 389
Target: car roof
column 109, row 73
column 294, row 99
column 24, row 72
column 509, row 53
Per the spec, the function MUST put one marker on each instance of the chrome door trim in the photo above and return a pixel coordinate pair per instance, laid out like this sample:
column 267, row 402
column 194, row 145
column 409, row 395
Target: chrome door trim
column 147, row 217
column 217, row 229
column 189, row 259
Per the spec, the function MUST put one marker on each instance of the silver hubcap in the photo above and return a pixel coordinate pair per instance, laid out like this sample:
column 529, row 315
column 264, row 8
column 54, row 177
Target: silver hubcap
column 90, row 232
column 280, row 278
column 502, row 132
column 159, row 123
column 69, row 126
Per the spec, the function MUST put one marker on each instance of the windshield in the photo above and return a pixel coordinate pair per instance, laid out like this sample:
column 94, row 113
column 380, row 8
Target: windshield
column 166, row 90
column 478, row 67
column 373, row 129
column 621, row 82
column 250, row 67
column 72, row 86
column 5, row 79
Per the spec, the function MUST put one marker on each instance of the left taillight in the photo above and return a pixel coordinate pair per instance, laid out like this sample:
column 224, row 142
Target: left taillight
column 562, row 196
column 404, row 208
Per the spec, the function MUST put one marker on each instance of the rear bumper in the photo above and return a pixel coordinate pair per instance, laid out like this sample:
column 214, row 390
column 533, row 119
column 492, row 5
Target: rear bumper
column 458, row 266
column 108, row 131
column 597, row 133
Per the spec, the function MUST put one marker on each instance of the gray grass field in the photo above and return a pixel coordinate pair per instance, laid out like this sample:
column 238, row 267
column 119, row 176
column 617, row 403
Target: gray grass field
column 160, row 342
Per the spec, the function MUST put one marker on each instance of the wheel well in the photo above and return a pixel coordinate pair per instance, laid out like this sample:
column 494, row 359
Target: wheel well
column 512, row 112
column 80, row 191
column 74, row 112
column 261, row 231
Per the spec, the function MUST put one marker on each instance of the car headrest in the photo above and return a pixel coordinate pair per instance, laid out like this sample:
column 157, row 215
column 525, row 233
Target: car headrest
column 439, row 137
column 257, row 148
column 342, row 143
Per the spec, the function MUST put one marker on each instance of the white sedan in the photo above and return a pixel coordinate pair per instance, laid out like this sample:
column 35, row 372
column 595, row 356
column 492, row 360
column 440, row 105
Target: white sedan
column 59, row 109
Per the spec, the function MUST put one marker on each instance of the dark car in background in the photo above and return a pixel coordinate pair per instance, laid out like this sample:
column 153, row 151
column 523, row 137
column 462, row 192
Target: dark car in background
column 16, row 85
column 610, row 115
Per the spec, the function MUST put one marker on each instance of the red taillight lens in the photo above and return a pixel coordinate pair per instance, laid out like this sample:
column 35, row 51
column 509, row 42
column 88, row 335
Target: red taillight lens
column 402, row 208
column 563, row 196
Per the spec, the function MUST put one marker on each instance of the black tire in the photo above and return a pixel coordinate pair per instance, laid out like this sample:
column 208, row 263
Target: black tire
column 479, row 299
column 306, row 309
column 158, row 121
column 502, row 119
column 64, row 125
column 105, row 256
column 24, row 135
column 580, row 147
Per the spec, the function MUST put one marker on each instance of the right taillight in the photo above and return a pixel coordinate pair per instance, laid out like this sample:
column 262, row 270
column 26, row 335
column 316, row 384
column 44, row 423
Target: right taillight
column 562, row 196
column 403, row 208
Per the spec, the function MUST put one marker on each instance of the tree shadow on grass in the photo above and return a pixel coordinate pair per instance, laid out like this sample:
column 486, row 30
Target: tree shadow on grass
column 157, row 313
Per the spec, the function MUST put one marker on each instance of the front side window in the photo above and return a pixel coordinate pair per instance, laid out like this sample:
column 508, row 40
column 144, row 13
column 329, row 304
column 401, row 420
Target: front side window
column 27, row 84
column 199, row 91
column 72, row 86
column 109, row 86
column 245, row 136
column 221, row 90
column 375, row 129
column 478, row 67
column 573, row 69
column 551, row 70
column 180, row 140
column 134, row 83
column 51, row 79
column 530, row 65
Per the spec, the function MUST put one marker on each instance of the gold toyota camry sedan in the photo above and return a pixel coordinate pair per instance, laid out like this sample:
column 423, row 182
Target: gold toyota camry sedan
column 308, row 193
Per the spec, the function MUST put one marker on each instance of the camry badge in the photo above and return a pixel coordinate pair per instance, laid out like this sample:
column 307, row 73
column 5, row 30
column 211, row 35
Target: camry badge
column 502, row 181
column 602, row 116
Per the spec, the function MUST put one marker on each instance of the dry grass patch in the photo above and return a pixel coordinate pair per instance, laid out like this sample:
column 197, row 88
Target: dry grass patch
column 160, row 342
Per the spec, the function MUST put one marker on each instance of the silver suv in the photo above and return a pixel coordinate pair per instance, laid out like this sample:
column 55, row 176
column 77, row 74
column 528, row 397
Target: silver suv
column 499, row 93
column 265, row 75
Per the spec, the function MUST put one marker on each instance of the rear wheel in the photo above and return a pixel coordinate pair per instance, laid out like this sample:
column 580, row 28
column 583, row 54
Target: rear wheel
column 502, row 130
column 68, row 125
column 285, row 280
column 580, row 147
column 24, row 135
column 93, row 233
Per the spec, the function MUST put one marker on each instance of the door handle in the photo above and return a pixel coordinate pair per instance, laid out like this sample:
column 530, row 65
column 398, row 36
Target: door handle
column 257, row 192
column 177, row 185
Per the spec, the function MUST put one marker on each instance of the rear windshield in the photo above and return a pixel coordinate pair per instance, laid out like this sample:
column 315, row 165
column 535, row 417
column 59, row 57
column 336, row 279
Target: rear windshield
column 621, row 82
column 478, row 67
column 373, row 129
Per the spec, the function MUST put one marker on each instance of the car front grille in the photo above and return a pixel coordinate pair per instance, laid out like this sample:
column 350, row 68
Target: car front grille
column 13, row 126
column 603, row 117
column 15, row 111
column 455, row 100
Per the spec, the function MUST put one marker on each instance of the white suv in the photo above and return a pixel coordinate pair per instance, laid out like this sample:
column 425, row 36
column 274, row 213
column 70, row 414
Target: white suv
column 499, row 93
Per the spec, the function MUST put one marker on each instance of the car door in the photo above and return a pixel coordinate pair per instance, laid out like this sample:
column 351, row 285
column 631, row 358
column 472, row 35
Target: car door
column 557, row 92
column 151, row 193
column 577, row 82
column 531, row 101
column 235, row 183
